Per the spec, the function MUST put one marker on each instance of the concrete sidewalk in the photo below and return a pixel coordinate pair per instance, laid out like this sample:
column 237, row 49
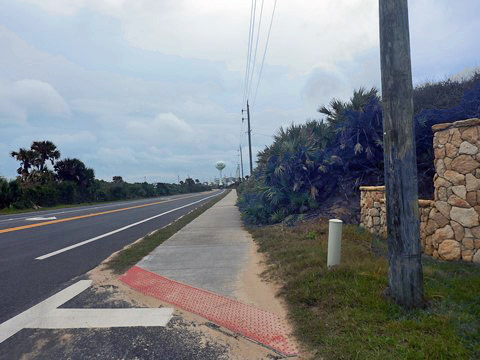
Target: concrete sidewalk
column 211, row 268
column 209, row 253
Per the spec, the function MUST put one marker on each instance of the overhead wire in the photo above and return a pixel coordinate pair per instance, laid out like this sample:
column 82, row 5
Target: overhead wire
column 250, row 65
column 255, row 54
column 252, row 34
column 247, row 63
column 270, row 136
column 251, row 31
column 264, row 53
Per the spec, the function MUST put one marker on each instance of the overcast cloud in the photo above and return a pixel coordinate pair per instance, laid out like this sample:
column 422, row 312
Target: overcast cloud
column 154, row 87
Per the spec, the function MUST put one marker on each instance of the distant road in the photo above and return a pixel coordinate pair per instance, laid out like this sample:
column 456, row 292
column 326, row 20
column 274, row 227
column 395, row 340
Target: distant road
column 44, row 251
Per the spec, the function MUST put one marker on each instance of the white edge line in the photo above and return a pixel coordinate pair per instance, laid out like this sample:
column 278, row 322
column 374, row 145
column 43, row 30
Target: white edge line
column 53, row 253
column 22, row 320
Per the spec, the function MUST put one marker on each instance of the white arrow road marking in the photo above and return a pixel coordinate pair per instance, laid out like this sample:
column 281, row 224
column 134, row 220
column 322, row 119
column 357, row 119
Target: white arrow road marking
column 17, row 323
column 45, row 315
column 103, row 318
column 41, row 218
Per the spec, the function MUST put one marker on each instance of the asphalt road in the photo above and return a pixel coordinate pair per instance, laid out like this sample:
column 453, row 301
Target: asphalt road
column 26, row 280
column 177, row 340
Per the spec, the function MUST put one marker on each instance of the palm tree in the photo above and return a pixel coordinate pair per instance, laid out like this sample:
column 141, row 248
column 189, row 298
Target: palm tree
column 117, row 179
column 76, row 171
column 27, row 160
column 45, row 151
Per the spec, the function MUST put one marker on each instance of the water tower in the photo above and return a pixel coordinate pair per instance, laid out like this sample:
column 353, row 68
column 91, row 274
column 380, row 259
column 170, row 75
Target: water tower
column 220, row 165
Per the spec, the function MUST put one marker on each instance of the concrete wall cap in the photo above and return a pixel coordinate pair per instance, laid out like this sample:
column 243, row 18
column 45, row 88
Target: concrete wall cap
column 425, row 203
column 456, row 124
column 372, row 188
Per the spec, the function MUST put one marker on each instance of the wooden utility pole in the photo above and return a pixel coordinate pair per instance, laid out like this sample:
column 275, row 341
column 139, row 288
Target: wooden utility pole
column 405, row 277
column 249, row 139
column 241, row 160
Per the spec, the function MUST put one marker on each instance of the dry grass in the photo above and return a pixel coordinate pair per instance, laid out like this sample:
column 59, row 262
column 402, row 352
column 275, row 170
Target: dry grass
column 342, row 313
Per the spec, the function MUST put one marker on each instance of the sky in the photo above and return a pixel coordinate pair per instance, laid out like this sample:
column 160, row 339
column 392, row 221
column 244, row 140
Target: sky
column 154, row 88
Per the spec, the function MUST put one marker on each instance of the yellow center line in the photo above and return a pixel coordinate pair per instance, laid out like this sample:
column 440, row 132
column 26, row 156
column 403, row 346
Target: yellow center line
column 29, row 226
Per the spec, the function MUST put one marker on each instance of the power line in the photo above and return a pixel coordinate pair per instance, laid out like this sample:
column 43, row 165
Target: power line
column 246, row 84
column 264, row 53
column 256, row 47
column 256, row 132
column 247, row 63
column 252, row 34
column 250, row 67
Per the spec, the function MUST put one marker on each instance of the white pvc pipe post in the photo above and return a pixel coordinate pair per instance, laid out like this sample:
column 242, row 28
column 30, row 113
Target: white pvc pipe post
column 334, row 242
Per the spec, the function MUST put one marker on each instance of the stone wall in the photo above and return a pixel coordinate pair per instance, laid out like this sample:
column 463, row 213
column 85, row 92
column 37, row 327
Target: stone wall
column 455, row 226
column 373, row 211
column 450, row 224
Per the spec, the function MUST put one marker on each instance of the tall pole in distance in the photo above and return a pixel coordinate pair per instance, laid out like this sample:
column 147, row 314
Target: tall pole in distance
column 405, row 277
column 241, row 160
column 249, row 139
column 239, row 174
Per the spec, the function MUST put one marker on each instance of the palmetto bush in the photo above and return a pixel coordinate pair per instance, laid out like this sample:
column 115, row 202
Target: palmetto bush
column 467, row 108
column 322, row 163
column 309, row 162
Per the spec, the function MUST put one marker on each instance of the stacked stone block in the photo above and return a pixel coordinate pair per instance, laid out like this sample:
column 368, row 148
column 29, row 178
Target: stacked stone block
column 373, row 213
column 454, row 225
column 425, row 208
column 450, row 224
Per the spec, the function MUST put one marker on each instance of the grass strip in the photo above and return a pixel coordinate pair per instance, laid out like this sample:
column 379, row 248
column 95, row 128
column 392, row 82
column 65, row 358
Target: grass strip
column 135, row 252
column 342, row 313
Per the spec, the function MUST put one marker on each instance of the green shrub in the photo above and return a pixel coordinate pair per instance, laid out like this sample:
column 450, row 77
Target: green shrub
column 118, row 192
column 324, row 163
column 67, row 192
column 5, row 200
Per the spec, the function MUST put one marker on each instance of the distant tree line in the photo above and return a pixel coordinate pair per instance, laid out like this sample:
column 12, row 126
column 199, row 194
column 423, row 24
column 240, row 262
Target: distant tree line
column 44, row 180
column 320, row 165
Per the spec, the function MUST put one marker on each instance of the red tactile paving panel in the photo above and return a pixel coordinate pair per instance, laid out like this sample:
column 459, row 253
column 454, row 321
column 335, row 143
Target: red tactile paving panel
column 256, row 324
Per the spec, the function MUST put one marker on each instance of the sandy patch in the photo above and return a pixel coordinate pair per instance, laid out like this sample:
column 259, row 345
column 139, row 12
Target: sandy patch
column 254, row 289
